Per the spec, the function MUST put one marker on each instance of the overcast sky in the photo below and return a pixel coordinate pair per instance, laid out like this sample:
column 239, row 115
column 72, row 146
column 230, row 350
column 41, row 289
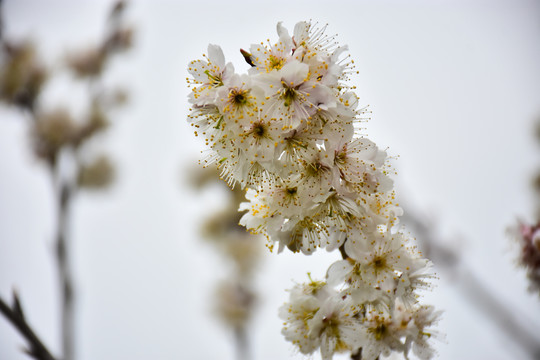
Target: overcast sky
column 454, row 90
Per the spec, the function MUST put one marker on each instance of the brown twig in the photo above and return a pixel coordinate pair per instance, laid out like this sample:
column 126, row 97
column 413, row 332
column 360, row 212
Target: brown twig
column 15, row 315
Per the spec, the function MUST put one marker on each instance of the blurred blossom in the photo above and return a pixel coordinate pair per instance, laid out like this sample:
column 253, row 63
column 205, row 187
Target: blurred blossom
column 87, row 63
column 96, row 121
column 52, row 130
column 21, row 74
column 91, row 61
column 119, row 97
column 222, row 228
column 96, row 175
column 120, row 40
column 234, row 303
column 528, row 238
column 242, row 248
column 235, row 298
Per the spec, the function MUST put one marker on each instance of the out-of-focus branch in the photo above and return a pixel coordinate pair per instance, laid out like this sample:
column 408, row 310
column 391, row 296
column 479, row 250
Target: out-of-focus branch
column 486, row 301
column 55, row 132
column 236, row 296
column 15, row 315
column 64, row 272
column 1, row 21
column 449, row 260
column 242, row 343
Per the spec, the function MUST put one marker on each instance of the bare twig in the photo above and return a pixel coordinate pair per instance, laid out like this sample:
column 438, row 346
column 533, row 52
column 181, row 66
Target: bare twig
column 15, row 315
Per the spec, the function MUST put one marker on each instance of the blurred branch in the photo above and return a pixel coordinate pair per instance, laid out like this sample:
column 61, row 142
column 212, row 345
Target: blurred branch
column 236, row 296
column 484, row 300
column 449, row 260
column 15, row 315
column 56, row 133
column 64, row 272
column 1, row 20
column 242, row 347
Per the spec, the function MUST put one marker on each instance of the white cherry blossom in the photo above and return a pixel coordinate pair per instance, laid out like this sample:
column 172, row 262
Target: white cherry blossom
column 290, row 131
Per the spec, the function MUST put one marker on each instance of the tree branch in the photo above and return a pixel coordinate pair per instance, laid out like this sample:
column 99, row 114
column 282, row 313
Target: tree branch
column 472, row 288
column 64, row 271
column 15, row 316
column 241, row 342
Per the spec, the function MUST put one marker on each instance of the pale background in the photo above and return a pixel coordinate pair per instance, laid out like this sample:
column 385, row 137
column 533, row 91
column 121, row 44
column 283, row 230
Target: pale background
column 454, row 87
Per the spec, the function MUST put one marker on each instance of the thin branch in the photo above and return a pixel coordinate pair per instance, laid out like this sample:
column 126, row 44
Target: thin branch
column 497, row 311
column 241, row 342
column 15, row 316
column 478, row 294
column 1, row 21
column 64, row 272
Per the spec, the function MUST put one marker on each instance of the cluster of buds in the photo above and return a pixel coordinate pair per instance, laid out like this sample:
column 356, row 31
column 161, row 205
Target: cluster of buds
column 289, row 132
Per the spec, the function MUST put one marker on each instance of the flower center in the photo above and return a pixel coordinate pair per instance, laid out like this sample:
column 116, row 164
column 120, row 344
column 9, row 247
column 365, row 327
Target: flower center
column 316, row 170
column 238, row 97
column 259, row 130
column 291, row 191
column 341, row 156
column 379, row 263
column 289, row 96
column 215, row 79
column 275, row 62
column 380, row 331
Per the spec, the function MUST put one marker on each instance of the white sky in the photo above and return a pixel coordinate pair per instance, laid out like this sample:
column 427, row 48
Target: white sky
column 454, row 87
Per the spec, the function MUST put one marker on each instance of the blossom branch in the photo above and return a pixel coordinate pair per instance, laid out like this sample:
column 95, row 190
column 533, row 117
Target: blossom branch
column 286, row 132
column 15, row 315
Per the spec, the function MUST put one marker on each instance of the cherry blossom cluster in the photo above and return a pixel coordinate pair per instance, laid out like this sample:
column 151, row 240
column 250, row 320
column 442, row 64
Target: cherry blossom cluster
column 289, row 132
